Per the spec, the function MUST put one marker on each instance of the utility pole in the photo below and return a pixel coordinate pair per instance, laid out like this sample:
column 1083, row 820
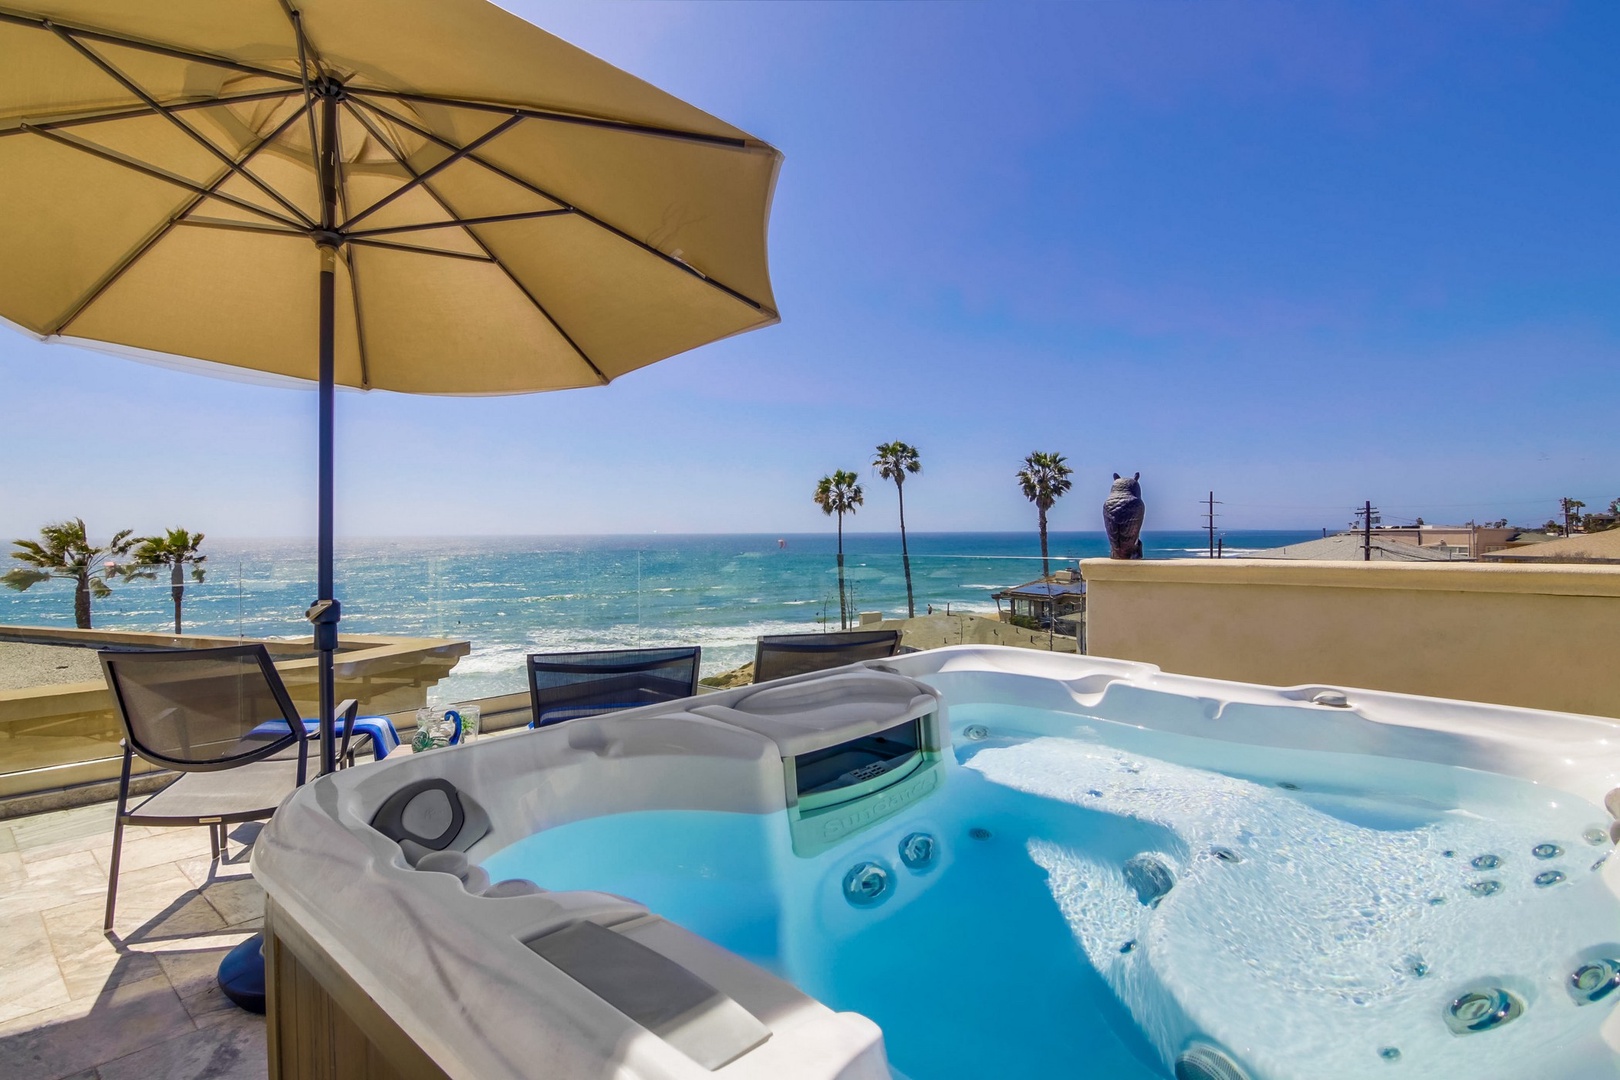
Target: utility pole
column 1209, row 522
column 1367, row 517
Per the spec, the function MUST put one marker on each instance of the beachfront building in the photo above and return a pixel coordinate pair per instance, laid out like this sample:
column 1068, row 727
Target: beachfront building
column 1461, row 541
column 1056, row 603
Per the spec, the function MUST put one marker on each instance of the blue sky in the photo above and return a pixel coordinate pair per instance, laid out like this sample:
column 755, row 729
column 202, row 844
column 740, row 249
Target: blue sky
column 1302, row 254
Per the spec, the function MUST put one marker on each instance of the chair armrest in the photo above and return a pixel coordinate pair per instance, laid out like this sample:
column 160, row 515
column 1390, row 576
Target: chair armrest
column 346, row 712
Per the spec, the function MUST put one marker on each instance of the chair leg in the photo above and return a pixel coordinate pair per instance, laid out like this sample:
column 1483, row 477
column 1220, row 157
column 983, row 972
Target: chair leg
column 112, row 870
column 118, row 841
column 213, row 840
column 224, row 841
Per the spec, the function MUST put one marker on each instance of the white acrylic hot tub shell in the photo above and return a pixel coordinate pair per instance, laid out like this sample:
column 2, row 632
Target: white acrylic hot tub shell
column 449, row 967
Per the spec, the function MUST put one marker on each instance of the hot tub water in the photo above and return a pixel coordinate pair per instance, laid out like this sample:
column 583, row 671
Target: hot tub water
column 1100, row 900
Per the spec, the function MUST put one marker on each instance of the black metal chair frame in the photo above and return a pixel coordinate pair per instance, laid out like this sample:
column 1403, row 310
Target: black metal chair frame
column 217, row 823
column 860, row 644
column 627, row 663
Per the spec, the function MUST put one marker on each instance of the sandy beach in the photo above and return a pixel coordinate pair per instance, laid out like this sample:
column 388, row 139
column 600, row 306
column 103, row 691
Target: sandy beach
column 23, row 665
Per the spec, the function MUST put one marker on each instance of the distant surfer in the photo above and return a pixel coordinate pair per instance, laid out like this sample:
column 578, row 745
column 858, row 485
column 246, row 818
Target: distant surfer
column 781, row 544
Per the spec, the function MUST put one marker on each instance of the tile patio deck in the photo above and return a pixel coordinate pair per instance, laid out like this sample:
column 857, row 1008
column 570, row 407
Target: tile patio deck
column 76, row 1004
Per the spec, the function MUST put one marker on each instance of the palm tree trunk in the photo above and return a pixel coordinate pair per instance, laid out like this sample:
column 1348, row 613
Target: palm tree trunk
column 905, row 555
column 843, row 611
column 81, row 602
column 177, row 590
column 1046, row 570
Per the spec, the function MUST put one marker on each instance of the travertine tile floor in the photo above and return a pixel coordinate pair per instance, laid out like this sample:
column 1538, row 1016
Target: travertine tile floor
column 75, row 1003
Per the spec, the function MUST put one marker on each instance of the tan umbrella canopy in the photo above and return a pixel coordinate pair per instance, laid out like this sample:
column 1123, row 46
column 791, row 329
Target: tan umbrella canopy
column 511, row 213
column 429, row 196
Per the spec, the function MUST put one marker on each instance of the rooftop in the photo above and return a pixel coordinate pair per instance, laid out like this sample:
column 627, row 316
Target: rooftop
column 1598, row 547
column 78, row 1005
column 1347, row 547
column 1046, row 589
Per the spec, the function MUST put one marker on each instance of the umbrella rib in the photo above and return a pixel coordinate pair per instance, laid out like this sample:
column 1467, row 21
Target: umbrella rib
column 359, row 319
column 522, row 288
column 130, row 85
column 460, row 222
column 159, row 174
column 433, row 170
column 592, row 218
column 135, row 256
column 133, row 114
column 296, row 17
column 239, row 226
column 628, row 127
column 143, row 46
column 303, row 80
column 415, row 250
column 343, row 206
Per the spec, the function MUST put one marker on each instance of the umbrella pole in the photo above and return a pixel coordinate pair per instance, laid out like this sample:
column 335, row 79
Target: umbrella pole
column 325, row 612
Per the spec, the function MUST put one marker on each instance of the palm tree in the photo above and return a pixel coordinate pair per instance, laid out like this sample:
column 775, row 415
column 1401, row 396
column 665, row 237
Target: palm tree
column 840, row 494
column 66, row 553
column 1044, row 479
column 893, row 461
column 174, row 549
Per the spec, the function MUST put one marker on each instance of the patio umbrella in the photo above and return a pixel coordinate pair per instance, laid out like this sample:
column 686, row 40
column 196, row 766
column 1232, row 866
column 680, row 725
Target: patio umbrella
column 428, row 196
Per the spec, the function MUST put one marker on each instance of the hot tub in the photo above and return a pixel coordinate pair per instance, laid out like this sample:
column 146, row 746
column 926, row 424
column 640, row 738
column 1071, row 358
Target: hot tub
column 966, row 863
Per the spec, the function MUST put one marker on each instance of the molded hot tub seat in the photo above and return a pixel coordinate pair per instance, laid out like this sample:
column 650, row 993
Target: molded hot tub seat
column 373, row 890
column 380, row 912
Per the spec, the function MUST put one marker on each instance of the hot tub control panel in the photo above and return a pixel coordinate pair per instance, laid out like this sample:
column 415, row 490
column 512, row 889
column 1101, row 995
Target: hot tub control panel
column 857, row 747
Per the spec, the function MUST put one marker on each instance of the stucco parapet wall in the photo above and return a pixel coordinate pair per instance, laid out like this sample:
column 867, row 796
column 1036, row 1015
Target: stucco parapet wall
column 1543, row 580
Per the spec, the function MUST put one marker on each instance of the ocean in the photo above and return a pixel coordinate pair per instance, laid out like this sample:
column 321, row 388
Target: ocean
column 514, row 595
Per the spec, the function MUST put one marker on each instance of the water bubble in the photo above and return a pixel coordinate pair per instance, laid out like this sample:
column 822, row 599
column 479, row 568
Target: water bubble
column 1482, row 1009
column 1486, row 862
column 917, row 850
column 1416, row 965
column 1601, row 860
column 1128, row 946
column 866, row 884
column 979, row 834
column 1594, row 981
column 1094, row 793
column 1595, row 836
column 1226, row 855
column 976, row 732
column 1390, row 1053
column 1436, row 901
column 1148, row 877
column 1546, row 851
column 1549, row 877
column 1485, row 888
column 1448, row 854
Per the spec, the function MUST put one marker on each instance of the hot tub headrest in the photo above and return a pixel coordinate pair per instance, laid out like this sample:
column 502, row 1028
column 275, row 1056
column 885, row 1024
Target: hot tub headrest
column 433, row 814
column 816, row 711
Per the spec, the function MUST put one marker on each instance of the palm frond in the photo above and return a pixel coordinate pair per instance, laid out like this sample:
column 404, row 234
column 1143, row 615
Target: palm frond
column 23, row 579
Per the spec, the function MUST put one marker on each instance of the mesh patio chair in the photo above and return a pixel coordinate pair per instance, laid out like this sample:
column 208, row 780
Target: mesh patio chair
column 223, row 720
column 566, row 686
column 777, row 656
